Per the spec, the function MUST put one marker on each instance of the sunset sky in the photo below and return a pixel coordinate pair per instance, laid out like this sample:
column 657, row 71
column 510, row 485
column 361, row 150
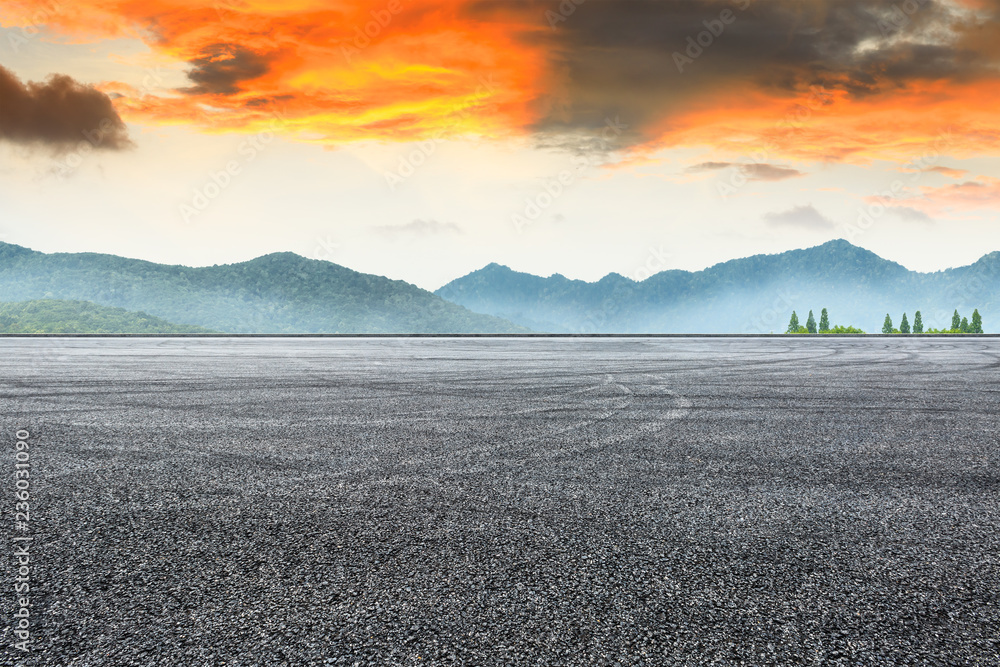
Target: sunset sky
column 424, row 139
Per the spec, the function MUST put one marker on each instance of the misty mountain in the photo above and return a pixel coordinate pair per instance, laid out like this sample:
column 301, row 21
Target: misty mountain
column 751, row 295
column 276, row 293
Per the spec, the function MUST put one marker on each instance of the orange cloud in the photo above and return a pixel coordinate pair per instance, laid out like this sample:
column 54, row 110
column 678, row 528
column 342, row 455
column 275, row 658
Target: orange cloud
column 328, row 71
column 335, row 71
column 950, row 172
column 921, row 121
column 950, row 200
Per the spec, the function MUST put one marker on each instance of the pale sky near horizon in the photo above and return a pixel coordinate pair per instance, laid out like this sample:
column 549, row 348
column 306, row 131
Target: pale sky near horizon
column 256, row 127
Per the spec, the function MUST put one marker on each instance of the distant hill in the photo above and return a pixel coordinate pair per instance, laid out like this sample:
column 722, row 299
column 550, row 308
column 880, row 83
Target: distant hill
column 751, row 295
column 277, row 293
column 56, row 316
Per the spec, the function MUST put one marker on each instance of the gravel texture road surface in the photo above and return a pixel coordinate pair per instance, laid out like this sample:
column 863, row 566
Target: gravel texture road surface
column 506, row 502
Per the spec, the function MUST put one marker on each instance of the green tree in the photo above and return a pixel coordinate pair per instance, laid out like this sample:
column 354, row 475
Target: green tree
column 793, row 324
column 811, row 323
column 887, row 325
column 964, row 325
column 977, row 322
column 904, row 325
column 956, row 321
column 918, row 323
column 824, row 320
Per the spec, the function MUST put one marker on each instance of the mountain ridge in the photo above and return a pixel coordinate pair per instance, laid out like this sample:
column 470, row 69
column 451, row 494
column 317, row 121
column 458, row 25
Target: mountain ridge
column 283, row 292
column 834, row 243
column 280, row 292
column 738, row 295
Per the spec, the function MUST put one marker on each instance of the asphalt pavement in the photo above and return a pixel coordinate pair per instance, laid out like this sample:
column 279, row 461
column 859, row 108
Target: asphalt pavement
column 500, row 501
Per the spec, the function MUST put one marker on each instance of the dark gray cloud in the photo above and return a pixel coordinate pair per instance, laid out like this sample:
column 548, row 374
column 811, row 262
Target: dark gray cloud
column 753, row 171
column 271, row 101
column 617, row 58
column 769, row 172
column 222, row 69
column 805, row 217
column 910, row 214
column 710, row 166
column 58, row 113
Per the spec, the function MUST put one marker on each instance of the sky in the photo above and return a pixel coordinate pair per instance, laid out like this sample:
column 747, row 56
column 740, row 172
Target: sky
column 423, row 139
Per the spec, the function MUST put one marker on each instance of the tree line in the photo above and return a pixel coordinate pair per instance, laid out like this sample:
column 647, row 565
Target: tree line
column 823, row 326
column 958, row 325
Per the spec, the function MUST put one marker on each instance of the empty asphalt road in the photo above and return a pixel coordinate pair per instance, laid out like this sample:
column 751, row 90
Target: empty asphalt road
column 505, row 502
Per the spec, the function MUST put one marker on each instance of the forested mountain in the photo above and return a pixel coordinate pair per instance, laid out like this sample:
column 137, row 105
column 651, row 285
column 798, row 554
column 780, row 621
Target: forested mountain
column 751, row 295
column 286, row 293
column 277, row 293
column 56, row 316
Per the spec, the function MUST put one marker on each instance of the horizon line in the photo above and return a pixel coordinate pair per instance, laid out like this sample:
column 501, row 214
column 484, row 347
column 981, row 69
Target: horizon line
column 551, row 275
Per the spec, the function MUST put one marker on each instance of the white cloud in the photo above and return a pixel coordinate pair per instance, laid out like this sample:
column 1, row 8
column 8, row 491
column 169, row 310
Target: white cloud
column 420, row 227
column 805, row 217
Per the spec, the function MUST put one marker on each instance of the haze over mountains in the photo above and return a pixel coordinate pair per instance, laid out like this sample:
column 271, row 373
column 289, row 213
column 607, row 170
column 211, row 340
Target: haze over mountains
column 277, row 293
column 751, row 295
column 286, row 293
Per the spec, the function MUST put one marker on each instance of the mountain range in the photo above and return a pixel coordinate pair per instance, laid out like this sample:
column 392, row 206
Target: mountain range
column 286, row 293
column 276, row 293
column 750, row 295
